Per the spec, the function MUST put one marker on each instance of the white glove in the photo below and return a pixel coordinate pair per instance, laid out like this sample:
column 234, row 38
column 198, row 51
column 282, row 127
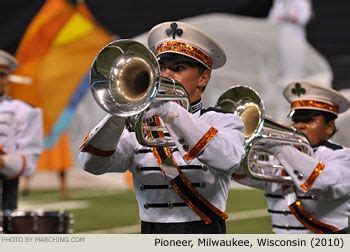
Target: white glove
column 13, row 164
column 270, row 148
column 168, row 111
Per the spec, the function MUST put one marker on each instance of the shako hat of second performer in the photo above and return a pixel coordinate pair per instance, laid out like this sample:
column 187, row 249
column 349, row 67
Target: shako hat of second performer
column 186, row 40
column 305, row 95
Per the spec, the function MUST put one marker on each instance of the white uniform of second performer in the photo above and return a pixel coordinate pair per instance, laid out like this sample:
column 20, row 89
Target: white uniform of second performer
column 319, row 198
column 328, row 199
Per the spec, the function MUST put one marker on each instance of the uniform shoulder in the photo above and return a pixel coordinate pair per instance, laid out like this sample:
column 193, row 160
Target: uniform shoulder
column 210, row 109
column 24, row 105
column 24, row 111
column 218, row 117
column 330, row 150
column 332, row 145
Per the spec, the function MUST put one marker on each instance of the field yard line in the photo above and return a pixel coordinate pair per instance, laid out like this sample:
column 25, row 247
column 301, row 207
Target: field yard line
column 234, row 216
column 78, row 194
column 65, row 205
column 249, row 214
column 89, row 193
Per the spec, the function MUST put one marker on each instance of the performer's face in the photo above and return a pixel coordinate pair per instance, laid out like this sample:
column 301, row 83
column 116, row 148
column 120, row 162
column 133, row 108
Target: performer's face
column 316, row 129
column 190, row 77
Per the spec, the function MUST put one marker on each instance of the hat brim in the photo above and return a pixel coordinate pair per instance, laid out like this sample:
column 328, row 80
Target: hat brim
column 179, row 57
column 310, row 108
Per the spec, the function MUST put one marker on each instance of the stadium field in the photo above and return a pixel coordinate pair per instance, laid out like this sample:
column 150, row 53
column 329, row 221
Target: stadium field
column 115, row 211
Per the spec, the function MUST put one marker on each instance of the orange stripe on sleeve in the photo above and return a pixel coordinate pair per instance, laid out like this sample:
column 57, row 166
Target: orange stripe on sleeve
column 201, row 144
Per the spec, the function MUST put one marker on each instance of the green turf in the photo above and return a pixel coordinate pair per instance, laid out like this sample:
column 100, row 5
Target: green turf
column 240, row 200
column 110, row 209
column 107, row 212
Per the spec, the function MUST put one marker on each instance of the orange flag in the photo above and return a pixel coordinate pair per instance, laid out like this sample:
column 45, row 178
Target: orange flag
column 56, row 51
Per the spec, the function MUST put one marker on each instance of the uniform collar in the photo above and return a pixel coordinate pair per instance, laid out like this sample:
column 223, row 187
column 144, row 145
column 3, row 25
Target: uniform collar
column 196, row 106
column 328, row 144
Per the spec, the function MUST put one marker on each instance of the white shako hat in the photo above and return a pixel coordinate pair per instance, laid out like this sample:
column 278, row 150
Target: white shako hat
column 305, row 95
column 187, row 40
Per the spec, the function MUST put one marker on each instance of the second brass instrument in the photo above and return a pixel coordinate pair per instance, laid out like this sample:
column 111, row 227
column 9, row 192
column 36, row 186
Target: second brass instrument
column 260, row 131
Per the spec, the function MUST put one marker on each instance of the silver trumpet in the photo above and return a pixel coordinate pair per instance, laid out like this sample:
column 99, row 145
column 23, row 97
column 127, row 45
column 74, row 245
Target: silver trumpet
column 261, row 133
column 125, row 80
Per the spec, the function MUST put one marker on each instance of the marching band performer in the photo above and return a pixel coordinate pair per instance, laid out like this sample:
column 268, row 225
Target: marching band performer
column 21, row 135
column 180, row 190
column 319, row 199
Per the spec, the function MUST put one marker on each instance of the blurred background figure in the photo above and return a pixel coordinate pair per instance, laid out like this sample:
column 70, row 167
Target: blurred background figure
column 295, row 57
column 21, row 135
column 57, row 160
column 291, row 17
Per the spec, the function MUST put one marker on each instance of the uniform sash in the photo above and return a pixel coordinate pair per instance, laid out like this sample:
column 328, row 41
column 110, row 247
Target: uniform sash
column 181, row 184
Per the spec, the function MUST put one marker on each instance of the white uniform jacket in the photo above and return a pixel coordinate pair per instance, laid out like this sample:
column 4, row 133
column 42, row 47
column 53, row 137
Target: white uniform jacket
column 209, row 172
column 21, row 137
column 321, row 183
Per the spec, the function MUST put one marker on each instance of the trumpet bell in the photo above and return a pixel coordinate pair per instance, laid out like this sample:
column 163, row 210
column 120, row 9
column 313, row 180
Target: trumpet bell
column 247, row 104
column 260, row 133
column 124, row 78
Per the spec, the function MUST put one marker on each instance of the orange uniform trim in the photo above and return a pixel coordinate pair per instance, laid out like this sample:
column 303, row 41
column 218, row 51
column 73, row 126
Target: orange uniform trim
column 313, row 176
column 314, row 104
column 189, row 203
column 310, row 221
column 187, row 49
column 175, row 187
column 92, row 150
column 238, row 176
column 97, row 152
column 85, row 139
column 2, row 152
column 200, row 145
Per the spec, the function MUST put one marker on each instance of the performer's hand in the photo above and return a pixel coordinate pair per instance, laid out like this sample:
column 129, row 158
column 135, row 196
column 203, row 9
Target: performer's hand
column 168, row 111
column 270, row 148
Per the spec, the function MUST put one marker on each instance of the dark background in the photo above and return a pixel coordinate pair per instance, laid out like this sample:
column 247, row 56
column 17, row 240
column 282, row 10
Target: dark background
column 328, row 31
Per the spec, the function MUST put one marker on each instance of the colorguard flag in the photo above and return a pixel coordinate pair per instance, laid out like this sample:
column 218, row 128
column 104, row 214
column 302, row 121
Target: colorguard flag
column 56, row 51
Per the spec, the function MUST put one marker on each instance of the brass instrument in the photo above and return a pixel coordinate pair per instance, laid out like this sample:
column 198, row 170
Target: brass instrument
column 261, row 131
column 125, row 80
